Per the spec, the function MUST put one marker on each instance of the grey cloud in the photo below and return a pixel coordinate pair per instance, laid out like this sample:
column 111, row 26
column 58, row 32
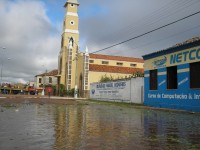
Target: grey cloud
column 33, row 41
column 29, row 38
column 126, row 19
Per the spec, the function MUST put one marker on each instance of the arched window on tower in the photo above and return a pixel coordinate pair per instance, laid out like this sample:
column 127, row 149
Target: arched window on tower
column 71, row 40
column 64, row 25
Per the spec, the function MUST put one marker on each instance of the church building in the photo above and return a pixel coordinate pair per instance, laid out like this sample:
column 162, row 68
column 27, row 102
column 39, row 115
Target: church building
column 76, row 70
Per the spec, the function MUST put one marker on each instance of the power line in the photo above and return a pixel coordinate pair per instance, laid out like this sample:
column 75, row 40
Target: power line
column 148, row 22
column 149, row 19
column 147, row 32
column 173, row 35
column 164, row 16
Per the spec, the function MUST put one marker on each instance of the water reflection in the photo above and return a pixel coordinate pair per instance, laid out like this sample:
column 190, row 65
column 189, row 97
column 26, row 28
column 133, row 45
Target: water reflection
column 69, row 127
column 172, row 130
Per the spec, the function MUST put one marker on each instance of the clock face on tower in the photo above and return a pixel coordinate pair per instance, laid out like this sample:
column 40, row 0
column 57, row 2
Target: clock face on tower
column 72, row 22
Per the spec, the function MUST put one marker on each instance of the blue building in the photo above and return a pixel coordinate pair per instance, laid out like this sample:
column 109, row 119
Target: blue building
column 172, row 77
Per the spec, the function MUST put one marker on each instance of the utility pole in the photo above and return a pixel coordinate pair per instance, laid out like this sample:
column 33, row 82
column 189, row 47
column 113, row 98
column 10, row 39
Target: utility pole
column 44, row 82
column 2, row 65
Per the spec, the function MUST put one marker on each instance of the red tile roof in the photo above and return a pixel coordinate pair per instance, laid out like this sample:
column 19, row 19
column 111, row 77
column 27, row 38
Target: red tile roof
column 114, row 69
column 118, row 58
column 51, row 73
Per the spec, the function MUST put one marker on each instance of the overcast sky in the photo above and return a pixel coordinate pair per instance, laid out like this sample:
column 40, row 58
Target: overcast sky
column 31, row 30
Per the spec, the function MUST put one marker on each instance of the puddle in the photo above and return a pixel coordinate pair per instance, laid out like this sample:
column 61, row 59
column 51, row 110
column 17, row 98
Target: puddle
column 92, row 126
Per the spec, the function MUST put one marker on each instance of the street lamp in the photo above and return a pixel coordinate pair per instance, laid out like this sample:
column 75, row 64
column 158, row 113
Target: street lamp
column 3, row 47
column 2, row 64
column 44, row 82
column 2, row 70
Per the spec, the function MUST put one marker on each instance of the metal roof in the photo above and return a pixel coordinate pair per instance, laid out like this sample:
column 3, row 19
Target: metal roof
column 180, row 46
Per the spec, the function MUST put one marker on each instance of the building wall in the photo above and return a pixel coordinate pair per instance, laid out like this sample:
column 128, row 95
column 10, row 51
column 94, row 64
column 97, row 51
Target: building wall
column 37, row 84
column 80, row 72
column 129, row 91
column 45, row 80
column 96, row 76
column 183, row 97
column 114, row 63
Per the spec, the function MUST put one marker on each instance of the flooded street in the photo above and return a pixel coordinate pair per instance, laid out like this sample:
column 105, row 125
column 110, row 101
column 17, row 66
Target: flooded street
column 95, row 126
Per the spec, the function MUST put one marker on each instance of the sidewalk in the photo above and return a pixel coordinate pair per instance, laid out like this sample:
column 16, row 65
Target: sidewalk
column 37, row 97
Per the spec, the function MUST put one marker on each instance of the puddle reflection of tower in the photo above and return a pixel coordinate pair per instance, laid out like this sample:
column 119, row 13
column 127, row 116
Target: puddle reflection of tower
column 69, row 125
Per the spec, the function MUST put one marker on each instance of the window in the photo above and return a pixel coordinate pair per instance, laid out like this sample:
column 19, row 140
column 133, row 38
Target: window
column 105, row 62
column 72, row 22
column 64, row 25
column 172, row 77
column 60, row 65
column 133, row 65
column 194, row 75
column 40, row 80
column 119, row 64
column 91, row 61
column 62, row 42
column 50, row 79
column 153, row 80
column 72, row 5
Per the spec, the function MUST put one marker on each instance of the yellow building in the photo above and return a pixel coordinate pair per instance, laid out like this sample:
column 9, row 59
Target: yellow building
column 67, row 54
column 81, row 69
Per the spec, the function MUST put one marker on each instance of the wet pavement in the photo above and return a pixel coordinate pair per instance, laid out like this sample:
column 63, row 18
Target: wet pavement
column 89, row 126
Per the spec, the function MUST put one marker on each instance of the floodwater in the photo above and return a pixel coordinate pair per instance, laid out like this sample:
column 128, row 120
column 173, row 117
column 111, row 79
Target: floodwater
column 96, row 127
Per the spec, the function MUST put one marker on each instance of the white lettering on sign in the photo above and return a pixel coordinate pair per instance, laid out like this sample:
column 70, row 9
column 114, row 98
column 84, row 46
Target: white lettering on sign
column 151, row 95
column 181, row 96
column 196, row 96
column 183, row 81
column 111, row 91
column 161, row 83
column 191, row 55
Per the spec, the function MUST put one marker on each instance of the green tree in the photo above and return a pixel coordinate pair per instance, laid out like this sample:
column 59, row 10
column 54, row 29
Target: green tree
column 106, row 78
column 61, row 90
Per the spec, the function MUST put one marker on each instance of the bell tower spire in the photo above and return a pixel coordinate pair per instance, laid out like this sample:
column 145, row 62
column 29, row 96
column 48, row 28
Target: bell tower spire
column 69, row 45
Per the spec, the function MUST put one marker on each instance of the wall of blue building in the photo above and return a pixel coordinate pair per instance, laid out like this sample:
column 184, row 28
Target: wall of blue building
column 182, row 98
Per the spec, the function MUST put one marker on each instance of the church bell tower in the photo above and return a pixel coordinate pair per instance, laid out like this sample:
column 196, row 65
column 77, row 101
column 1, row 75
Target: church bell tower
column 69, row 46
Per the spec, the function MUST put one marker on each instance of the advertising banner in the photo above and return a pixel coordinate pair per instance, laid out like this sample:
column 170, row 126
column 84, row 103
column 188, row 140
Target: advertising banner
column 113, row 91
column 173, row 59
